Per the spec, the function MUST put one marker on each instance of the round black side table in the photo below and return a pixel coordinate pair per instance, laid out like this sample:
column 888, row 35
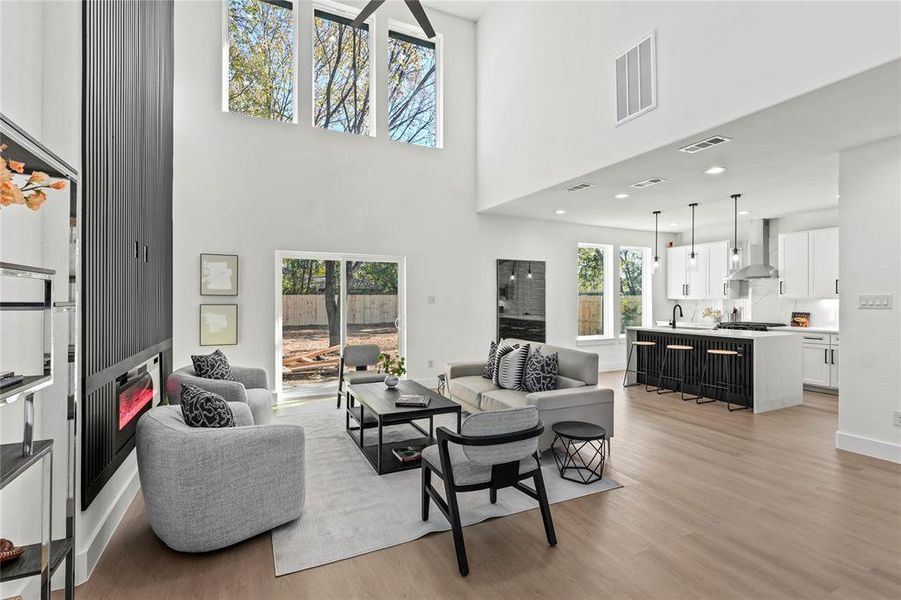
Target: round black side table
column 570, row 439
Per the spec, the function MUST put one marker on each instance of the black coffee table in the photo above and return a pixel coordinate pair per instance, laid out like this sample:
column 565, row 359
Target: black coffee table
column 574, row 437
column 376, row 410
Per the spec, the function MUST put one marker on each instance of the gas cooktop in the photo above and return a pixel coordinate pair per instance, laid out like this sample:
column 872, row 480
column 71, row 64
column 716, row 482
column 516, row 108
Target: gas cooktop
column 748, row 325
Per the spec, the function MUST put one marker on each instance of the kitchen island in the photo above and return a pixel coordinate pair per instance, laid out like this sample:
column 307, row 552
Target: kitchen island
column 769, row 366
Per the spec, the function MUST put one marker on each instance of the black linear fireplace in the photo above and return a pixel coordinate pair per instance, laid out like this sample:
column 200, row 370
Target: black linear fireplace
column 110, row 421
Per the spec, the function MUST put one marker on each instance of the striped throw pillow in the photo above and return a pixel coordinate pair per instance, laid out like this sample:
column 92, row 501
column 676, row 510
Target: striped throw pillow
column 503, row 349
column 512, row 368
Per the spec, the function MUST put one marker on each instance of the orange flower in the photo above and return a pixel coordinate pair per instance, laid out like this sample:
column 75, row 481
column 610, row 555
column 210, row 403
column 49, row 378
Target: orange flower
column 10, row 194
column 35, row 199
column 18, row 167
column 37, row 177
column 58, row 185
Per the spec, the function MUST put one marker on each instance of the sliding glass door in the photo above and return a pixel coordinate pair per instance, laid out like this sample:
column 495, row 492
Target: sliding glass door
column 327, row 301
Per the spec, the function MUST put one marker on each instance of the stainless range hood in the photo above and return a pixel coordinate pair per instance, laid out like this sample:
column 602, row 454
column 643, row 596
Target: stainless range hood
column 759, row 248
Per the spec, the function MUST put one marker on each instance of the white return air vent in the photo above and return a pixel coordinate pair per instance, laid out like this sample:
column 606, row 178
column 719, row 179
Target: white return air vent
column 636, row 80
column 647, row 182
column 705, row 144
column 579, row 186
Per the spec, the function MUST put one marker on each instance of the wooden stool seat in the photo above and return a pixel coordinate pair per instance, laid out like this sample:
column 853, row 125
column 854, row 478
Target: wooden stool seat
column 723, row 352
column 679, row 347
column 644, row 343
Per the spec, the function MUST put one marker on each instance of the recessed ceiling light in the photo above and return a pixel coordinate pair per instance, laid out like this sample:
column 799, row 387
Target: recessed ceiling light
column 559, row 212
column 715, row 170
column 744, row 212
column 837, row 196
column 673, row 224
column 621, row 196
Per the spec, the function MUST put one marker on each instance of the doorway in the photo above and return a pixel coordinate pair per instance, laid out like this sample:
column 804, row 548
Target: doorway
column 325, row 301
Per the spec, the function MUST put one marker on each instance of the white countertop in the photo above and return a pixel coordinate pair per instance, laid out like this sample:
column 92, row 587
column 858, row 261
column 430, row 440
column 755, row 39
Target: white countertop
column 806, row 329
column 726, row 333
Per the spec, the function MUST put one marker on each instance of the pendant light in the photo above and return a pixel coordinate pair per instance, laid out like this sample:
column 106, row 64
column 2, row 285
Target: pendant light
column 736, row 253
column 529, row 274
column 656, row 223
column 513, row 272
column 693, row 257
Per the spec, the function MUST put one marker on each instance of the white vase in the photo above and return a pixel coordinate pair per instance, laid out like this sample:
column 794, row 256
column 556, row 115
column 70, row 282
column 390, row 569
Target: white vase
column 391, row 381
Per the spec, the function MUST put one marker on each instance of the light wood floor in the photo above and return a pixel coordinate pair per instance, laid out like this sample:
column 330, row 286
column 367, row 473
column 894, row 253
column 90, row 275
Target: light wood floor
column 715, row 505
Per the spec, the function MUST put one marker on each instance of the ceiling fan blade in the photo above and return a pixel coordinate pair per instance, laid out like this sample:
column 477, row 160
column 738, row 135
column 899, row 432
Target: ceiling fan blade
column 367, row 11
column 418, row 12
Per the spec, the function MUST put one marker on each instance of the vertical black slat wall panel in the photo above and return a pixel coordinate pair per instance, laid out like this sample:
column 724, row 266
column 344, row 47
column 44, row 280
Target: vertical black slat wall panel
column 127, row 198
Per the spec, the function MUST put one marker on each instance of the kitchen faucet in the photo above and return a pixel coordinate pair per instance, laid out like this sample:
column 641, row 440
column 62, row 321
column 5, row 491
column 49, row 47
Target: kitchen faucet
column 673, row 322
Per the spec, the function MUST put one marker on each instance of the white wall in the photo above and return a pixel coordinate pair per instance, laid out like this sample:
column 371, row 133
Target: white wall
column 546, row 73
column 870, row 238
column 252, row 187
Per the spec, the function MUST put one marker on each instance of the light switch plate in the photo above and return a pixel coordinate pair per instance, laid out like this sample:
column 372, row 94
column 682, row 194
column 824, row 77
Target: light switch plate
column 430, row 300
column 875, row 301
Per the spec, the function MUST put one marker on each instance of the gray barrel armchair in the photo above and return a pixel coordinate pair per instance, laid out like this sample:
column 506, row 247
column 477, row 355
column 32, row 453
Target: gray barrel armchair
column 250, row 387
column 208, row 488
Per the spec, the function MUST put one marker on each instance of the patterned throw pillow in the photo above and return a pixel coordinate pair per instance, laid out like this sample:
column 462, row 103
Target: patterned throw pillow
column 541, row 372
column 503, row 349
column 488, row 369
column 512, row 368
column 212, row 366
column 200, row 408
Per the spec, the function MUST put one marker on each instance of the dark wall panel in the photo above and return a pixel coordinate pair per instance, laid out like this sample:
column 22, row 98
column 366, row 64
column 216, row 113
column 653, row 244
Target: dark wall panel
column 127, row 200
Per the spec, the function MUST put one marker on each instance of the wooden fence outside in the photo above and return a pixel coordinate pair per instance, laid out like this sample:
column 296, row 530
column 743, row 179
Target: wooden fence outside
column 309, row 309
column 591, row 315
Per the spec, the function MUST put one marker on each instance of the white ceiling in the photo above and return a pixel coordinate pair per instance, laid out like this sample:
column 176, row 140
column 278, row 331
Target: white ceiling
column 782, row 160
column 465, row 9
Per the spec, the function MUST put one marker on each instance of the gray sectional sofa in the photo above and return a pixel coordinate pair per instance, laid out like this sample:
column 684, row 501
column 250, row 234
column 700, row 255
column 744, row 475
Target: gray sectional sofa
column 577, row 397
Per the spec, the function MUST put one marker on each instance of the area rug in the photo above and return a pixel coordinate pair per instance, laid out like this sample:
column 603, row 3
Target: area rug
column 349, row 510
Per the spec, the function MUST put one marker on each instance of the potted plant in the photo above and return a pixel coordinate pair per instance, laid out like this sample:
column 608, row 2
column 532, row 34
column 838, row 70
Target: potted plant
column 714, row 314
column 394, row 369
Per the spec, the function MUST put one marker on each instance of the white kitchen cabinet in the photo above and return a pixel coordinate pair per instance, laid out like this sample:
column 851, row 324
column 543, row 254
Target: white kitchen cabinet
column 676, row 258
column 821, row 357
column 718, row 270
column 698, row 278
column 823, row 260
column 817, row 369
column 794, row 264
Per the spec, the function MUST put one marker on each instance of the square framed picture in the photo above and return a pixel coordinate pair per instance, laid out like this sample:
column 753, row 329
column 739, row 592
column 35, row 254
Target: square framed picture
column 218, row 274
column 218, row 324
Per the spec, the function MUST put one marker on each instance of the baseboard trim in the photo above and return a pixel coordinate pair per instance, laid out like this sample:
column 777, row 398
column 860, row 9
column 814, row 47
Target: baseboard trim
column 868, row 446
column 87, row 558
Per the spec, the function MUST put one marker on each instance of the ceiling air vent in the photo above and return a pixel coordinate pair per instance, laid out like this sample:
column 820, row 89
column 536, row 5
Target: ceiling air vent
column 704, row 144
column 579, row 186
column 636, row 79
column 648, row 182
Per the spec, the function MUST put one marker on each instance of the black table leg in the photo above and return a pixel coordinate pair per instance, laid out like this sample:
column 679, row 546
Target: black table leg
column 362, row 420
column 459, row 419
column 431, row 427
column 379, row 469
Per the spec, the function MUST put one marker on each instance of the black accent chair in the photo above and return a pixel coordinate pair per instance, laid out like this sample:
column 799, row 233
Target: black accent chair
column 494, row 450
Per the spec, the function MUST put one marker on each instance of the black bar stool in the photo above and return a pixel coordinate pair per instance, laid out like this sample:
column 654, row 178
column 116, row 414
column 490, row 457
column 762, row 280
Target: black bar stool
column 726, row 384
column 636, row 370
column 681, row 352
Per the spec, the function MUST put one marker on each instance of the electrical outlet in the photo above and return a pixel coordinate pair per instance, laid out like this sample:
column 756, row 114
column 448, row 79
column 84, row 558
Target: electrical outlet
column 875, row 301
column 898, row 418
column 430, row 363
column 430, row 300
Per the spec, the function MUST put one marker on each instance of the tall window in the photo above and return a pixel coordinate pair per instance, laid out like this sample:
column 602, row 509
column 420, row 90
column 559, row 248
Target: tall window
column 634, row 287
column 595, row 314
column 412, row 90
column 261, row 58
column 340, row 74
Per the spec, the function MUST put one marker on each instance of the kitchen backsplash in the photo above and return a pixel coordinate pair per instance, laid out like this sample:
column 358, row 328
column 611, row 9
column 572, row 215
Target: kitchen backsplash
column 765, row 305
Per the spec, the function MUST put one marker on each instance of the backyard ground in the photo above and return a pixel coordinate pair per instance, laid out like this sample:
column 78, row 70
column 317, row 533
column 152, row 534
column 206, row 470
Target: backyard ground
column 311, row 341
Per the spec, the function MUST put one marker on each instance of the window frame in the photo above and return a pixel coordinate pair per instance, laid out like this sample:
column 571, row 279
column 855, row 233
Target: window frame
column 647, row 278
column 345, row 12
column 415, row 32
column 292, row 5
column 608, row 310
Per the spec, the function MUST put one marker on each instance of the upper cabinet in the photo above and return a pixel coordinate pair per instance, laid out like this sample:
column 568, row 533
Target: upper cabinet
column 824, row 263
column 676, row 273
column 707, row 281
column 808, row 264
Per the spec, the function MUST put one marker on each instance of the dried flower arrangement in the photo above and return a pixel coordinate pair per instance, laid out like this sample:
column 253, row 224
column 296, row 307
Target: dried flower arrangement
column 32, row 193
